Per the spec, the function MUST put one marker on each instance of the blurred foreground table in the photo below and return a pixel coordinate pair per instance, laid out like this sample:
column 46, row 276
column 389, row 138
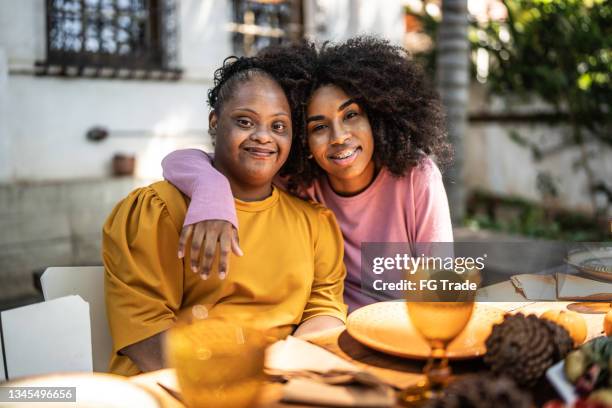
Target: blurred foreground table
column 396, row 371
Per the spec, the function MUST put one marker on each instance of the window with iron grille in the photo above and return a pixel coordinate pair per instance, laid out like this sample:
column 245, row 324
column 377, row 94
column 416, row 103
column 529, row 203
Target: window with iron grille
column 259, row 23
column 125, row 38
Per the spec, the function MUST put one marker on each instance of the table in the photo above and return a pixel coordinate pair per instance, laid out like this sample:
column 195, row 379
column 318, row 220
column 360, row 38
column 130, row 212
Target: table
column 396, row 371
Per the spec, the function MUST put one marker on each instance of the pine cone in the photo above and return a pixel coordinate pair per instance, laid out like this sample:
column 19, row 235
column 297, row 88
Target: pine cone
column 562, row 339
column 479, row 391
column 524, row 347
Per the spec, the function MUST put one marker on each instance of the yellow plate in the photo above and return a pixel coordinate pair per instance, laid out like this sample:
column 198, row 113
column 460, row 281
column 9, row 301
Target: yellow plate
column 386, row 327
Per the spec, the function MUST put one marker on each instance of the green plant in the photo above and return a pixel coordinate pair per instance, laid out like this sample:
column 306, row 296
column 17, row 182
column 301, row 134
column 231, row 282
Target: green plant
column 531, row 219
column 561, row 52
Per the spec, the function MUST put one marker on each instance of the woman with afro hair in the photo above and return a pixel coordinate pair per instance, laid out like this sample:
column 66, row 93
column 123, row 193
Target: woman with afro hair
column 367, row 127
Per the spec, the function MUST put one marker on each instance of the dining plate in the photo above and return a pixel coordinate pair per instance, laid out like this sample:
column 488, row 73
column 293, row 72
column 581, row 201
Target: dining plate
column 386, row 327
column 93, row 390
column 596, row 262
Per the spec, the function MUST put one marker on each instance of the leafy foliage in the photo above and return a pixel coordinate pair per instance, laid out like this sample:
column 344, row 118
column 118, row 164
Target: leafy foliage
column 516, row 215
column 559, row 50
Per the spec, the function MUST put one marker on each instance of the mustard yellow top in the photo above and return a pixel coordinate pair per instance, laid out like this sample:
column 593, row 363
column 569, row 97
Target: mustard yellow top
column 291, row 271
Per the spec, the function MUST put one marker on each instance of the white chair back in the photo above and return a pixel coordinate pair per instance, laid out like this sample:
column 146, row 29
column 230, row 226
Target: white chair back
column 88, row 282
column 2, row 371
column 47, row 337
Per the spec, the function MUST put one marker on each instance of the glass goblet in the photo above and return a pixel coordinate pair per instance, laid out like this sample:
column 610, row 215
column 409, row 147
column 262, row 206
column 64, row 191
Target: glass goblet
column 439, row 317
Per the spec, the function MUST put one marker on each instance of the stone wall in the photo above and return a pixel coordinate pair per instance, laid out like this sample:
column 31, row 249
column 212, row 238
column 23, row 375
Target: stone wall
column 53, row 224
column 497, row 164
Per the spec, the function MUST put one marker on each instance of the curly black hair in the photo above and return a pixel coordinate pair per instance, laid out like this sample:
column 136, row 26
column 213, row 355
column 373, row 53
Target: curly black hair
column 403, row 108
column 234, row 71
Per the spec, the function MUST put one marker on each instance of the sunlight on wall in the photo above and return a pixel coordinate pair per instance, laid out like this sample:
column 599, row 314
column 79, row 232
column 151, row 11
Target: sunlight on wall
column 204, row 13
column 169, row 134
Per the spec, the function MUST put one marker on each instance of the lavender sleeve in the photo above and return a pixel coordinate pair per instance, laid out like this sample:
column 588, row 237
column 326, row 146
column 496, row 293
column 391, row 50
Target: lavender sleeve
column 192, row 172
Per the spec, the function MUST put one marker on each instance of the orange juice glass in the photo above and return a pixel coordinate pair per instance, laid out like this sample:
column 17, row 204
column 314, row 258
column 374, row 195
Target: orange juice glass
column 218, row 363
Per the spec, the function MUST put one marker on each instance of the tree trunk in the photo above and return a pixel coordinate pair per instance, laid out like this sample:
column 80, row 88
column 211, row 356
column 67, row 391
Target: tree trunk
column 453, row 84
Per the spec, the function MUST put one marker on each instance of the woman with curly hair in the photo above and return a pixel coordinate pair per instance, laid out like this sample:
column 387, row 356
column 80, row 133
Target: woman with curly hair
column 367, row 132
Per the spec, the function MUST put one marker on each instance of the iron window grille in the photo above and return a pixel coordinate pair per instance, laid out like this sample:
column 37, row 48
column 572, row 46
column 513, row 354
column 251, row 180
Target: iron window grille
column 259, row 23
column 111, row 38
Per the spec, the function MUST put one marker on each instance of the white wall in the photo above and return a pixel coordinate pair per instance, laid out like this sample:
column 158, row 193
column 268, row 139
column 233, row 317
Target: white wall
column 204, row 39
column 22, row 31
column 46, row 118
column 339, row 20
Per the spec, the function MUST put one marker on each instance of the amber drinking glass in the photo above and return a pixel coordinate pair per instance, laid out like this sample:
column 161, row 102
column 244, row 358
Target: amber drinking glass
column 218, row 363
column 439, row 323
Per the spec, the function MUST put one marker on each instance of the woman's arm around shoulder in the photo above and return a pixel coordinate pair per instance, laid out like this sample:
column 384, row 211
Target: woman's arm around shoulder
column 211, row 217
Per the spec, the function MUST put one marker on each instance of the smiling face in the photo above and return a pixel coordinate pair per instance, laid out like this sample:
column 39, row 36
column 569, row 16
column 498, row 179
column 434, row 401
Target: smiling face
column 253, row 136
column 340, row 139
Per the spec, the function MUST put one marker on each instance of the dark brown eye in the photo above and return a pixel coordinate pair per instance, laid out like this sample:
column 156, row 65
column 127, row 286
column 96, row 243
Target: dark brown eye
column 318, row 128
column 279, row 126
column 244, row 123
column 351, row 115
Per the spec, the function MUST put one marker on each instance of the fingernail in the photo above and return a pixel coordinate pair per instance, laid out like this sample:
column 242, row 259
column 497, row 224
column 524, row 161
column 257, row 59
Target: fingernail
column 221, row 275
column 180, row 254
column 240, row 253
column 194, row 268
column 204, row 276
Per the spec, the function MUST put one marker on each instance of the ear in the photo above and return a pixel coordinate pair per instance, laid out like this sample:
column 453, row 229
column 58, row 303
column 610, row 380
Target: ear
column 212, row 123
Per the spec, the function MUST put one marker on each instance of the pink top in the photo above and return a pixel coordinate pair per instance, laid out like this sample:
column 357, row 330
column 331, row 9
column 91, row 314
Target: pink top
column 412, row 208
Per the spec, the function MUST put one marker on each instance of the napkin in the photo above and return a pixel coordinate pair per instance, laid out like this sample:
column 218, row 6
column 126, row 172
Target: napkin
column 561, row 286
column 536, row 287
column 293, row 354
column 578, row 288
column 298, row 358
